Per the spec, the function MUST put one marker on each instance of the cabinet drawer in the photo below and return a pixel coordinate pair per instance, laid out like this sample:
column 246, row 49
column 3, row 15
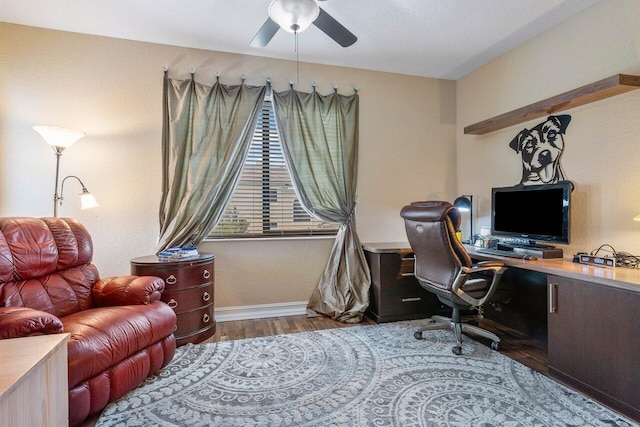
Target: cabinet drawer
column 188, row 299
column 388, row 268
column 178, row 277
column 195, row 320
column 406, row 296
column 406, row 267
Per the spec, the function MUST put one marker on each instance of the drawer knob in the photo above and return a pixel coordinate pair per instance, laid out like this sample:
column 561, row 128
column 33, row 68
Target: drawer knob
column 206, row 296
column 206, row 274
column 206, row 318
column 171, row 280
column 172, row 303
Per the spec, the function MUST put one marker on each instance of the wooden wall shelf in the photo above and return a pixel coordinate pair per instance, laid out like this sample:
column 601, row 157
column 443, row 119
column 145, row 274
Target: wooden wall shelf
column 605, row 88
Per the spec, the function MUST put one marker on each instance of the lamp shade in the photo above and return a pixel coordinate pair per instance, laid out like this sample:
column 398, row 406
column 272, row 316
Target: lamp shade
column 636, row 218
column 294, row 15
column 462, row 203
column 58, row 137
column 87, row 201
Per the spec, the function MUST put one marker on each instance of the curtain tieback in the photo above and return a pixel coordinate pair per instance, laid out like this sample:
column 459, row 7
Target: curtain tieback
column 350, row 217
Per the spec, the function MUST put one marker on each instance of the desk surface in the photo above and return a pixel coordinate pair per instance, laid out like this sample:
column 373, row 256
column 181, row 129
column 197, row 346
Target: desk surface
column 623, row 278
column 387, row 247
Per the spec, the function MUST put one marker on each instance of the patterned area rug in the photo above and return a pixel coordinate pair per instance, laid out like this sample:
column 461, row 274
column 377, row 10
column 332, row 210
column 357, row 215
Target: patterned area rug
column 359, row 376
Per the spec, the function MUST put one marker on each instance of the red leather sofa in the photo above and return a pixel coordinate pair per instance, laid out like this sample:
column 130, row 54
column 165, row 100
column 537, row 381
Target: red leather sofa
column 120, row 330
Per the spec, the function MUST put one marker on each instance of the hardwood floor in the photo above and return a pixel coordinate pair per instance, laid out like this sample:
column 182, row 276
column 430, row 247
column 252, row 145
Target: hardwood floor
column 526, row 350
column 240, row 329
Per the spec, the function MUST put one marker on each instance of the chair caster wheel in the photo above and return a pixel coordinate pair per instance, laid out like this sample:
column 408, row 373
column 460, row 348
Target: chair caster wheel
column 457, row 351
column 495, row 345
column 417, row 335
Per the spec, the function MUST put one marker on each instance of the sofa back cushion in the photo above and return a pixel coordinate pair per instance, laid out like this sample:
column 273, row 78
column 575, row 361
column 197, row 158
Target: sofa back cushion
column 45, row 264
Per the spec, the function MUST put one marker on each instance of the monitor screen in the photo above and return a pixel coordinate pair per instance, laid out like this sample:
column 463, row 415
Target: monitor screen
column 540, row 212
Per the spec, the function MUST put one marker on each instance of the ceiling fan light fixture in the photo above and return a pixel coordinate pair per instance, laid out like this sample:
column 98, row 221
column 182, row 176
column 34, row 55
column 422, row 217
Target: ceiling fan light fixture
column 294, row 16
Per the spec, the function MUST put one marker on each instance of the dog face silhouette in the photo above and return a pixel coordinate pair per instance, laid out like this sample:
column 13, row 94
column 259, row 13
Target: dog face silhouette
column 541, row 148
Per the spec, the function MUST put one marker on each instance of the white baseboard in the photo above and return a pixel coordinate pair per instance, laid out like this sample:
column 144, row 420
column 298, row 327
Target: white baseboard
column 244, row 312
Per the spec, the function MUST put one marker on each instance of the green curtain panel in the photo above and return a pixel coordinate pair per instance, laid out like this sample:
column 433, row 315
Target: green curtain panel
column 207, row 133
column 319, row 136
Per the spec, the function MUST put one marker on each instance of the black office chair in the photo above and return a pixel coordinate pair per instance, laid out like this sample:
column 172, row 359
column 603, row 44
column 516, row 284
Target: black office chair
column 443, row 267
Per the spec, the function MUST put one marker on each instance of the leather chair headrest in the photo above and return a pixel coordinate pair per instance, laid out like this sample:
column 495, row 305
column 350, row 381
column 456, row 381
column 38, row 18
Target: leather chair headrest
column 431, row 211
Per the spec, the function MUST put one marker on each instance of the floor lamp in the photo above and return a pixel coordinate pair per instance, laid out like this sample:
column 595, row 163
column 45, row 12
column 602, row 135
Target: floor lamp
column 59, row 139
column 464, row 203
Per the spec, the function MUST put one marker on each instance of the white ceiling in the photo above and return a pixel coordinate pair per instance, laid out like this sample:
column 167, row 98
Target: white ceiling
column 432, row 38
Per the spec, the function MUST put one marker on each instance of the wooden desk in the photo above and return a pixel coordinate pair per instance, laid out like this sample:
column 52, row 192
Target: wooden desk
column 622, row 278
column 589, row 316
column 592, row 325
column 33, row 381
column 395, row 294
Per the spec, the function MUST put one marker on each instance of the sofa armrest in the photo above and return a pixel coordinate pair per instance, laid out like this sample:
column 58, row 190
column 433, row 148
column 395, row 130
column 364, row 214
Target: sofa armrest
column 17, row 322
column 127, row 290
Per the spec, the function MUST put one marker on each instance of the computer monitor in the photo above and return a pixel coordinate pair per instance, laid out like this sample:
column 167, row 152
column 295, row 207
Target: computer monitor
column 532, row 213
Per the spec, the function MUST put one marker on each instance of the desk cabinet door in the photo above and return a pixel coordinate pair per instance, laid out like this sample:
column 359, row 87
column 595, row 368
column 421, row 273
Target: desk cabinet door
column 594, row 341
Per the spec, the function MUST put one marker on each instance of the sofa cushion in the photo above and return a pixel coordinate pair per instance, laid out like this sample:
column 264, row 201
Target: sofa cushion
column 103, row 337
column 46, row 265
column 60, row 294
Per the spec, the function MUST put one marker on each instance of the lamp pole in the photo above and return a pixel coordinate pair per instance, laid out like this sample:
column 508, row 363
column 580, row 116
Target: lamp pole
column 56, row 197
column 471, row 242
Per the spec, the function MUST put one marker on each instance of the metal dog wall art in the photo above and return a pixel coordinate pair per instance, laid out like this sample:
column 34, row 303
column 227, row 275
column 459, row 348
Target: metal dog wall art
column 541, row 149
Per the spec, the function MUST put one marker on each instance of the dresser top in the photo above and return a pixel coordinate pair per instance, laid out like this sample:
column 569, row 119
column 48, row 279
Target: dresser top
column 153, row 260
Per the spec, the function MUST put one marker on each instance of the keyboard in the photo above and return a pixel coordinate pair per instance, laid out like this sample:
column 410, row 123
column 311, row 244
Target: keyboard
column 499, row 252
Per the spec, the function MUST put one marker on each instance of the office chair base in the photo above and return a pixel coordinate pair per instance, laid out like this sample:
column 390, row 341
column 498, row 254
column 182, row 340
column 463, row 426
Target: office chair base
column 441, row 322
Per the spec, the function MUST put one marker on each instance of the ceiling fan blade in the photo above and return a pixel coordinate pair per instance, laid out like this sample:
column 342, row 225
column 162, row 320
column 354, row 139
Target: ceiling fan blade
column 334, row 29
column 265, row 33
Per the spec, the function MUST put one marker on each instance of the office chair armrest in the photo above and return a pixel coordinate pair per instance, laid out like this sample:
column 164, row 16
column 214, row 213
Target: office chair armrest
column 489, row 264
column 496, row 267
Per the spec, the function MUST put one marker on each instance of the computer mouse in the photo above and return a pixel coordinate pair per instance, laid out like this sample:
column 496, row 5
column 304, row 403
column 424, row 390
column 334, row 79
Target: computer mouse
column 529, row 257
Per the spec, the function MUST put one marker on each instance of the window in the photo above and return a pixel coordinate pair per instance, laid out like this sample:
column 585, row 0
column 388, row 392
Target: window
column 264, row 203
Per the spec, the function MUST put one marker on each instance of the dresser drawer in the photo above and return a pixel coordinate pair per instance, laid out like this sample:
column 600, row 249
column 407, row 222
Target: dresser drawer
column 197, row 336
column 189, row 299
column 193, row 321
column 183, row 277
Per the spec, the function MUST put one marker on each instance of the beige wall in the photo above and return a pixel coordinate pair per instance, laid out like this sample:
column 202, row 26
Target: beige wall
column 602, row 144
column 111, row 89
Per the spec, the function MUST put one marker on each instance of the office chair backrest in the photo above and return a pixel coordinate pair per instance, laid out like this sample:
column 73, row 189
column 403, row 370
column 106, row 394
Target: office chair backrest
column 431, row 230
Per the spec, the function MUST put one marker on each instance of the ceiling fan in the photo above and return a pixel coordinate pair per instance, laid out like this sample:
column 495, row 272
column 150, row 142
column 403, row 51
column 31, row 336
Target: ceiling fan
column 295, row 16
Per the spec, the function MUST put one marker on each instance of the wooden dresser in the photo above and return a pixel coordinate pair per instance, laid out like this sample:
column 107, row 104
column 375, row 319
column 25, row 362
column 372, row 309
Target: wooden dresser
column 395, row 293
column 189, row 291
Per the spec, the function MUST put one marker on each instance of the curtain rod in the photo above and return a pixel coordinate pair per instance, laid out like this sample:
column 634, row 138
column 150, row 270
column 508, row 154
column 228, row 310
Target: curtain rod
column 243, row 77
